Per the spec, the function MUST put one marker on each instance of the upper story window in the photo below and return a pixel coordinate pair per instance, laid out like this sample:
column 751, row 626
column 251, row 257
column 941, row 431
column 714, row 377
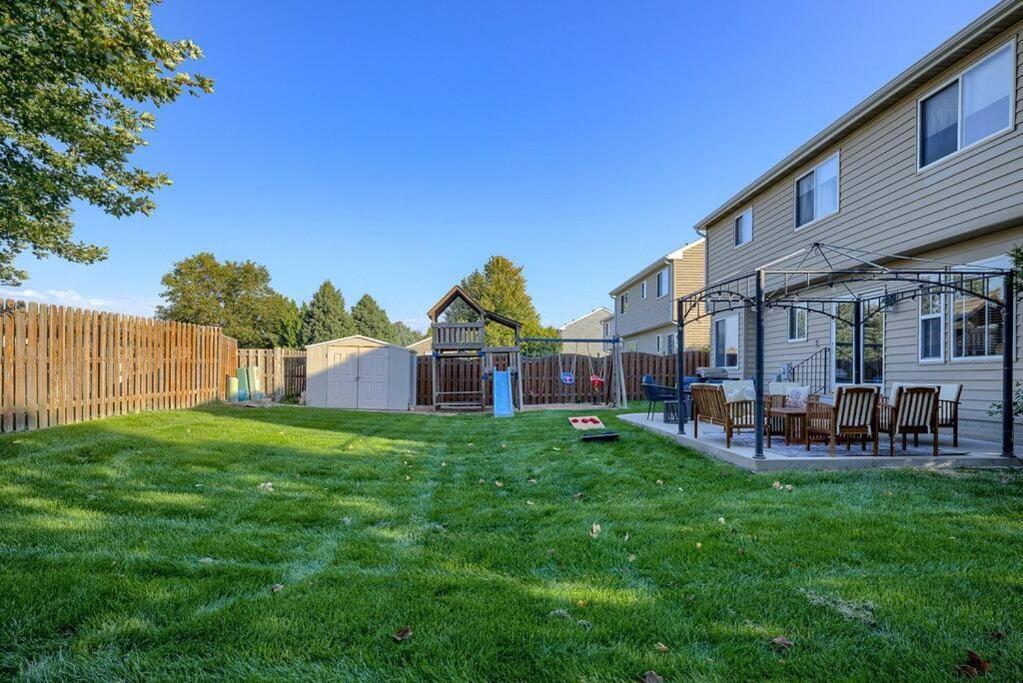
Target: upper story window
column 817, row 192
column 642, row 289
column 974, row 106
column 662, row 282
column 744, row 227
column 623, row 302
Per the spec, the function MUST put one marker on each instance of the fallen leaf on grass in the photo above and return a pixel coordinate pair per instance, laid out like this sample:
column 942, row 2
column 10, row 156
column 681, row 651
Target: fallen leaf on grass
column 585, row 624
column 529, row 502
column 558, row 614
column 550, row 552
column 277, row 588
column 776, row 485
column 659, row 482
column 595, row 530
column 721, row 520
column 499, row 484
column 577, row 496
column 267, row 486
column 974, row 665
column 443, row 464
column 531, row 481
column 789, row 487
column 582, row 603
column 555, row 449
column 403, row 633
column 206, row 560
column 698, row 545
column 632, row 558
column 483, row 481
column 782, row 643
column 651, row 677
column 661, row 647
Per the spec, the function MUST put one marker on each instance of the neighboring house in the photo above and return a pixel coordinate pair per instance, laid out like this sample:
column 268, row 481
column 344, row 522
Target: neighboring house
column 423, row 347
column 607, row 330
column 929, row 166
column 589, row 326
column 644, row 314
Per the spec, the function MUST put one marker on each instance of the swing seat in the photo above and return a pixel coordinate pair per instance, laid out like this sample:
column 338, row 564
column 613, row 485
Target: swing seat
column 567, row 378
column 596, row 381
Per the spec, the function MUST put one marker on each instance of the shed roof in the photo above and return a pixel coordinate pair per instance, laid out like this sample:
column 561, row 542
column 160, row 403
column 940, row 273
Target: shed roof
column 357, row 337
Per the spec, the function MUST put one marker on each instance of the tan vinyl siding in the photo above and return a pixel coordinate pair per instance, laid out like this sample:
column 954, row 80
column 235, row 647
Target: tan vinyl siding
column 687, row 277
column 886, row 205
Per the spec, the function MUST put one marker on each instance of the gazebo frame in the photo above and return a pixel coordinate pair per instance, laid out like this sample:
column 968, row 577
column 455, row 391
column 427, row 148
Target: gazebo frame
column 770, row 287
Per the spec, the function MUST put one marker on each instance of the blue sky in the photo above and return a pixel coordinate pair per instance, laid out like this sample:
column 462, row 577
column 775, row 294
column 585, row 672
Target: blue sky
column 394, row 146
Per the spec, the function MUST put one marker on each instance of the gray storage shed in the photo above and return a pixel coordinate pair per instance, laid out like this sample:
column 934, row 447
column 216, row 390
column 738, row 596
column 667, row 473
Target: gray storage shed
column 360, row 373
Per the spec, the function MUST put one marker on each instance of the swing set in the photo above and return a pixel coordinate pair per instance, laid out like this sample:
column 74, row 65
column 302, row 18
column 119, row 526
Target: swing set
column 599, row 368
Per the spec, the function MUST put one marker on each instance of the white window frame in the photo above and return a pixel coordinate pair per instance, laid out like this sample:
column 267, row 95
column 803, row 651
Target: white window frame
column 659, row 343
column 623, row 303
column 738, row 339
column 670, row 350
column 642, row 289
column 661, row 277
column 806, row 324
column 996, row 262
column 735, row 232
column 920, row 328
column 958, row 78
column 838, row 193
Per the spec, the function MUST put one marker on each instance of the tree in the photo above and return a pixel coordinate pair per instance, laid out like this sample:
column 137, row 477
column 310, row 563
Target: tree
column 74, row 78
column 234, row 295
column 501, row 288
column 325, row 317
column 371, row 320
column 405, row 335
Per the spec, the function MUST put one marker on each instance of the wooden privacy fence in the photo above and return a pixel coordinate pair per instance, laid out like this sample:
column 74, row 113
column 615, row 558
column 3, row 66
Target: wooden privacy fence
column 541, row 377
column 63, row 365
column 281, row 371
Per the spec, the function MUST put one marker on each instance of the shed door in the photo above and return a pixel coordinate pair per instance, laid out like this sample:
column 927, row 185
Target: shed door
column 373, row 378
column 342, row 377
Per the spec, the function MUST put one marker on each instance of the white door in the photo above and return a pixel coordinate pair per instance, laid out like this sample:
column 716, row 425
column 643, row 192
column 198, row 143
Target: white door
column 342, row 377
column 372, row 378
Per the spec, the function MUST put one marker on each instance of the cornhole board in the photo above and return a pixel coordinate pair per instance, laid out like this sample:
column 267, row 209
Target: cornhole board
column 583, row 422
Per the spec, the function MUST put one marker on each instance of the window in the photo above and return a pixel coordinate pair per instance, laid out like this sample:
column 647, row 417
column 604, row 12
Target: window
column 871, row 338
column 632, row 346
column 726, row 342
column 797, row 324
column 973, row 107
column 642, row 289
column 671, row 344
column 817, row 192
column 658, row 344
column 932, row 326
column 623, row 302
column 977, row 322
column 744, row 227
column 662, row 282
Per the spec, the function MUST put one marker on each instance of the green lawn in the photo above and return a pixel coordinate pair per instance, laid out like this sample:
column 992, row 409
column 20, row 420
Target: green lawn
column 145, row 546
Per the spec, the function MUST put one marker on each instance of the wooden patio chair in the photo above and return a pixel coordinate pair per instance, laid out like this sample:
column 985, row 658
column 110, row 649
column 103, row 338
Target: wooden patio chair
column 949, row 396
column 915, row 412
column 852, row 417
column 710, row 406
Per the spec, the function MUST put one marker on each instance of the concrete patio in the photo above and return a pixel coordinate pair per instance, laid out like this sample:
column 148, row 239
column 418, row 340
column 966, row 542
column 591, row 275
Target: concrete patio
column 969, row 453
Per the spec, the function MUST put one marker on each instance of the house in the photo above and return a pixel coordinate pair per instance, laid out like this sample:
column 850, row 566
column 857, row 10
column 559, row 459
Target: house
column 589, row 326
column 423, row 347
column 927, row 172
column 644, row 315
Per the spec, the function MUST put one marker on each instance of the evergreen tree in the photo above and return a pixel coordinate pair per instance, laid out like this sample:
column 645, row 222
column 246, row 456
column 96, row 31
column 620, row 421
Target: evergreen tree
column 325, row 317
column 371, row 320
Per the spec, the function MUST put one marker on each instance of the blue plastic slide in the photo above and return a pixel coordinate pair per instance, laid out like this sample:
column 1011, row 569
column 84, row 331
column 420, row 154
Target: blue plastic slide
column 502, row 394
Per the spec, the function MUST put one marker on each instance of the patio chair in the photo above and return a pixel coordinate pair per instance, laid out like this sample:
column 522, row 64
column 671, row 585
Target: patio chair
column 709, row 406
column 851, row 417
column 655, row 393
column 949, row 397
column 915, row 411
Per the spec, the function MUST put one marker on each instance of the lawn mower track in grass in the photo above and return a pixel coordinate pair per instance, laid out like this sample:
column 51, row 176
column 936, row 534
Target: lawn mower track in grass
column 144, row 546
